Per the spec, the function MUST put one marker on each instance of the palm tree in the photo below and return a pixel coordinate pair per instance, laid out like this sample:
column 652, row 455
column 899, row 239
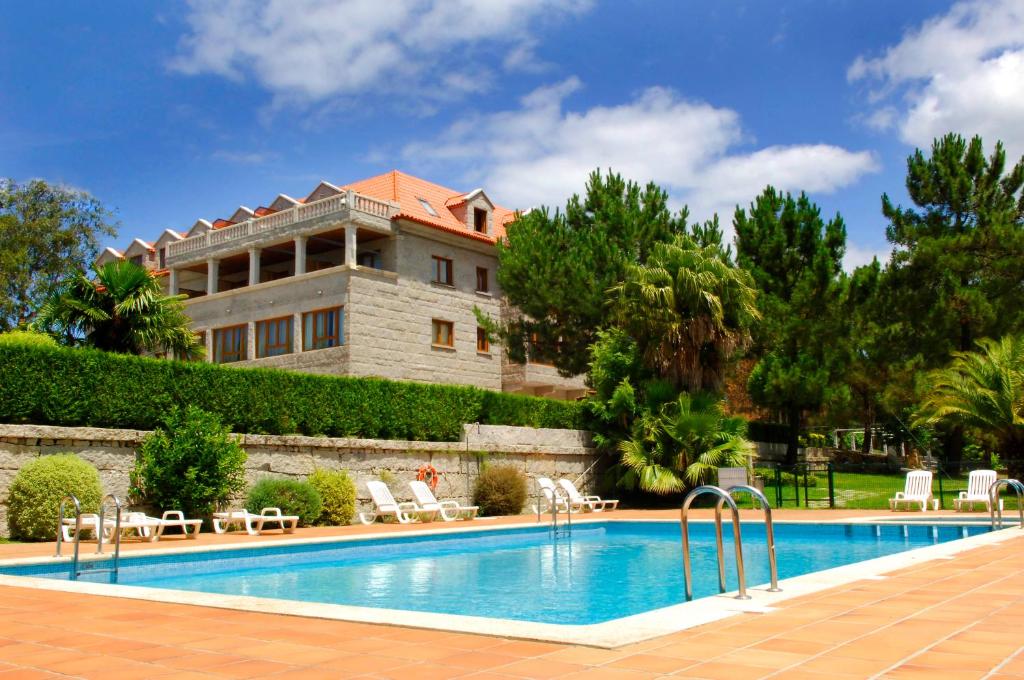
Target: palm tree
column 690, row 309
column 683, row 444
column 983, row 390
column 123, row 309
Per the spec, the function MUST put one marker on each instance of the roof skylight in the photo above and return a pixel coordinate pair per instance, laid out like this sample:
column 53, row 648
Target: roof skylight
column 426, row 206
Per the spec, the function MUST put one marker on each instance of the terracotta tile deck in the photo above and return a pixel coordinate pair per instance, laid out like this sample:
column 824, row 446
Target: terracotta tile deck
column 957, row 618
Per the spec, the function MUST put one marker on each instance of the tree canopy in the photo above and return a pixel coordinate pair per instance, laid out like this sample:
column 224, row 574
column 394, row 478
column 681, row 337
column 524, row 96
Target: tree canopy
column 956, row 274
column 46, row 231
column 122, row 309
column 555, row 268
column 795, row 259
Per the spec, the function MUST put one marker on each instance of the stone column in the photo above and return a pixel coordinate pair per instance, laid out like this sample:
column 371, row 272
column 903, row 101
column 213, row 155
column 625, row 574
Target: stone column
column 297, row 332
column 212, row 274
column 254, row 266
column 350, row 245
column 250, row 340
column 300, row 254
column 209, row 344
column 172, row 282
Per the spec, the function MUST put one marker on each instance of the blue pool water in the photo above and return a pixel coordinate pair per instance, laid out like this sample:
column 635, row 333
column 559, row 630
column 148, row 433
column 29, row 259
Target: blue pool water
column 605, row 571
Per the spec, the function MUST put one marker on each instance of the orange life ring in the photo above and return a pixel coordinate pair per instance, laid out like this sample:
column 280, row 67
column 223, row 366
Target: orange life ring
column 428, row 473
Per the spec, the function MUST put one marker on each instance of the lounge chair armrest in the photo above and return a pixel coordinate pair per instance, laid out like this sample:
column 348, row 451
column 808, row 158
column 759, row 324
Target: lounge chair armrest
column 409, row 505
column 592, row 499
column 274, row 512
column 174, row 514
column 449, row 504
column 899, row 496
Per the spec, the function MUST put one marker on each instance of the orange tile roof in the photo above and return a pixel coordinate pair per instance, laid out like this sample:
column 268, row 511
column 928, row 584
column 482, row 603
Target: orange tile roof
column 406, row 190
column 263, row 210
column 220, row 223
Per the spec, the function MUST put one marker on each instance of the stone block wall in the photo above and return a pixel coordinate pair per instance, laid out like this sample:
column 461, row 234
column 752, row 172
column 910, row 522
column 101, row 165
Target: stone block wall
column 537, row 452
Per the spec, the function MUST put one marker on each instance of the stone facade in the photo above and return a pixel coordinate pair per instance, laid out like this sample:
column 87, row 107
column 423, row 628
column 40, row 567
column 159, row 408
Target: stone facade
column 373, row 251
column 538, row 452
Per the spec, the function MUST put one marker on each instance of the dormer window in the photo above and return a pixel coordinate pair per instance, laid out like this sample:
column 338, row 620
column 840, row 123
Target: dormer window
column 426, row 206
column 136, row 259
column 480, row 220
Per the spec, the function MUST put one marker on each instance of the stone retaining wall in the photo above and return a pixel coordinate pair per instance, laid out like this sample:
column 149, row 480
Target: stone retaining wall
column 539, row 452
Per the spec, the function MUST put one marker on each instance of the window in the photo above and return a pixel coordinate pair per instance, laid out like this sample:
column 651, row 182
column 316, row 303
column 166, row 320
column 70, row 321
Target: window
column 482, row 280
column 322, row 328
column 444, row 333
column 163, row 258
column 274, row 337
column 137, row 259
column 229, row 344
column 535, row 355
column 370, row 260
column 480, row 220
column 426, row 206
column 482, row 343
column 442, row 270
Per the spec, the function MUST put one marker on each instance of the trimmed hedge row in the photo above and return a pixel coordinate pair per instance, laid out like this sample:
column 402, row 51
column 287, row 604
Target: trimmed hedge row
column 84, row 387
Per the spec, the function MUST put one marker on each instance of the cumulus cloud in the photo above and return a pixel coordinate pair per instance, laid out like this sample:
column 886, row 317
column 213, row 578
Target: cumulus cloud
column 311, row 50
column 962, row 71
column 540, row 153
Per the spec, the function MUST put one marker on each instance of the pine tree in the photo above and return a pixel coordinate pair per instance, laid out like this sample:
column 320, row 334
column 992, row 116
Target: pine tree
column 956, row 271
column 795, row 259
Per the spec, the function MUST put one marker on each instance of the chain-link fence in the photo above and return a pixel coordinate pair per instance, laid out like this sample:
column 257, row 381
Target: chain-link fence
column 852, row 485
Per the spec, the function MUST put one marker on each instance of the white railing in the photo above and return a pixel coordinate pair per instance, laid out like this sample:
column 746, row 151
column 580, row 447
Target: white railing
column 305, row 211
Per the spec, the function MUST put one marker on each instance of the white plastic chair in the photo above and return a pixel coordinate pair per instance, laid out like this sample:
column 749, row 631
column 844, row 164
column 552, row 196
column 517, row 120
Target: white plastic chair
column 917, row 490
column 385, row 505
column 254, row 522
column 449, row 510
column 589, row 503
column 978, row 483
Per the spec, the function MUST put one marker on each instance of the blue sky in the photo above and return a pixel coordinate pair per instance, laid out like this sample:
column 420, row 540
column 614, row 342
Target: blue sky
column 170, row 112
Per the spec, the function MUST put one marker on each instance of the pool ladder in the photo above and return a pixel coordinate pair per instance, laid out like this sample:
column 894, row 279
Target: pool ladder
column 725, row 497
column 75, row 571
column 566, row 528
column 994, row 507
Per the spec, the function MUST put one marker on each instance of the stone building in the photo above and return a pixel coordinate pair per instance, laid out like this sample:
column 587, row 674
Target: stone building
column 379, row 277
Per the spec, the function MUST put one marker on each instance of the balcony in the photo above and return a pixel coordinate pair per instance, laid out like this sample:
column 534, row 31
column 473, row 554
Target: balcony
column 363, row 211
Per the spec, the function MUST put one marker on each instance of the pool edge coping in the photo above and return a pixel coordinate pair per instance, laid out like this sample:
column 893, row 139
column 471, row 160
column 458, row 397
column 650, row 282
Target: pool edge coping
column 610, row 634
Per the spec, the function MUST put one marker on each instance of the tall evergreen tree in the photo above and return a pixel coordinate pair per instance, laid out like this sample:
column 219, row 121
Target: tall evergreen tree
column 795, row 259
column 956, row 269
column 555, row 269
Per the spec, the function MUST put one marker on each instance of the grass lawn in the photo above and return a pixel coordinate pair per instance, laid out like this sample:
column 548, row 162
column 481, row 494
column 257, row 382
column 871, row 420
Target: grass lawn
column 864, row 491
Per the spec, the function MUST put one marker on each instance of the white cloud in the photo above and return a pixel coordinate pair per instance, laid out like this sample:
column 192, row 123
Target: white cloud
column 959, row 72
column 243, row 157
column 310, row 50
column 541, row 153
column 858, row 255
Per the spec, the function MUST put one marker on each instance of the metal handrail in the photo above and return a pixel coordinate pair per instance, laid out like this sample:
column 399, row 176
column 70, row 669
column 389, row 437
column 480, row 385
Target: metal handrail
column 554, row 507
column 769, row 530
column 994, row 506
column 60, row 522
column 737, row 540
column 117, row 529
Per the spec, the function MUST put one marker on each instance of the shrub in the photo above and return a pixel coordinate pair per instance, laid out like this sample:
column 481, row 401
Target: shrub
column 27, row 338
column 62, row 386
column 338, row 495
column 292, row 496
column 38, row 488
column 192, row 464
column 500, row 490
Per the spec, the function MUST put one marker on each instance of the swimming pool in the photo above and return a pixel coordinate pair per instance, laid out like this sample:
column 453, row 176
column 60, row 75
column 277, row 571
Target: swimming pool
column 606, row 570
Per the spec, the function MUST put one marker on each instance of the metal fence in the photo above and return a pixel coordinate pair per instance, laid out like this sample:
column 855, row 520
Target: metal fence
column 861, row 486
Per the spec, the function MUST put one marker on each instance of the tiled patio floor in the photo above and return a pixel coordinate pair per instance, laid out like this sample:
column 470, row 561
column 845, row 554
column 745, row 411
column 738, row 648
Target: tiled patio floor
column 960, row 618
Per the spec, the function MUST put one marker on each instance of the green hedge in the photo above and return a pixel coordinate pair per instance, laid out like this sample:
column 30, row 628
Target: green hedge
column 84, row 387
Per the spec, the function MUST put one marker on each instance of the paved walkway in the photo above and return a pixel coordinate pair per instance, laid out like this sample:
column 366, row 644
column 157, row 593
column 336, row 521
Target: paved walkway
column 959, row 618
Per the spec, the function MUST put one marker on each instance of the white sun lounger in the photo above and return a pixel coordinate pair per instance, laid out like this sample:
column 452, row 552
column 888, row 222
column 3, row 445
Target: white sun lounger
column 138, row 521
column 552, row 497
column 254, row 523
column 916, row 491
column 385, row 505
column 590, row 503
column 978, row 483
column 449, row 510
